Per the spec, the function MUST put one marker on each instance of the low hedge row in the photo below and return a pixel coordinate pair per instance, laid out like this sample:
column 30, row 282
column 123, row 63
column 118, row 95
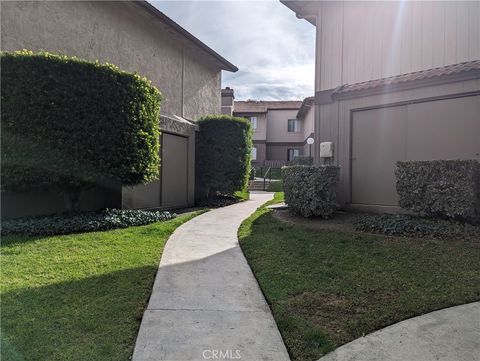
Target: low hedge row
column 311, row 190
column 82, row 222
column 301, row 160
column 440, row 188
column 409, row 225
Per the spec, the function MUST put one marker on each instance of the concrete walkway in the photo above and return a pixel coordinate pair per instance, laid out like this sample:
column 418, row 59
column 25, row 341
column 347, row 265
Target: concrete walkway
column 206, row 303
column 451, row 334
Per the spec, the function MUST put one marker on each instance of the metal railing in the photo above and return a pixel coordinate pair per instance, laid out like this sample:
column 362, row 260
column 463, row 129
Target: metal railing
column 275, row 163
column 268, row 172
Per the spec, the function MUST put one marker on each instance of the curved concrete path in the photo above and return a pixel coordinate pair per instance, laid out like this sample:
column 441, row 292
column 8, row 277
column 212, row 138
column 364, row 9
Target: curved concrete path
column 206, row 303
column 451, row 334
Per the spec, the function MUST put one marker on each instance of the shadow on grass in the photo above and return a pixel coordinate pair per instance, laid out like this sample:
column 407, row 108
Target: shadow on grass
column 95, row 318
column 18, row 239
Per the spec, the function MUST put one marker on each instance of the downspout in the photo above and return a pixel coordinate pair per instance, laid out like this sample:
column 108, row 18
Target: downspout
column 183, row 82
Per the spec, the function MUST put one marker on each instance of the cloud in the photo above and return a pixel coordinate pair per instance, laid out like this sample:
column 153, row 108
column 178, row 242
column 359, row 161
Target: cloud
column 274, row 50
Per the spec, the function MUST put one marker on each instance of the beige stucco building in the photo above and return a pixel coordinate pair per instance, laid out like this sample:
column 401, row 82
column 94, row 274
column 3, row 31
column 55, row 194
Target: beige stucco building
column 137, row 37
column 280, row 128
column 393, row 81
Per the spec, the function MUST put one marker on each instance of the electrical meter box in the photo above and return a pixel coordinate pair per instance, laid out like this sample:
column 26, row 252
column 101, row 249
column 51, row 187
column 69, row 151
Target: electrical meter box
column 326, row 149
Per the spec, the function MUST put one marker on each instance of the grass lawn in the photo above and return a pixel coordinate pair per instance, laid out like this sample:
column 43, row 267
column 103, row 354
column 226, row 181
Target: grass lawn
column 275, row 186
column 242, row 195
column 276, row 173
column 327, row 288
column 78, row 296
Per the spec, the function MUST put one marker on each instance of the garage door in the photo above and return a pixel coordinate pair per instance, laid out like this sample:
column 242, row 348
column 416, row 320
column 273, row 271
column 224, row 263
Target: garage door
column 174, row 170
column 442, row 129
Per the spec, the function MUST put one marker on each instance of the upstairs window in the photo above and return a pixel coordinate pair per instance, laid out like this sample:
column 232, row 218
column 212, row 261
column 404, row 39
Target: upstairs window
column 254, row 153
column 254, row 122
column 293, row 126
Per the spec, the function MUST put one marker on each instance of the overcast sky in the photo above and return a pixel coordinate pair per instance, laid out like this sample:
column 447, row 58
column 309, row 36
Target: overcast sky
column 272, row 48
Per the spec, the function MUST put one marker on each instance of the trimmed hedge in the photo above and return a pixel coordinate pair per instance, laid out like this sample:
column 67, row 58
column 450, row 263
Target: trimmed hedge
column 301, row 160
column 223, row 155
column 311, row 190
column 82, row 222
column 440, row 188
column 408, row 225
column 70, row 124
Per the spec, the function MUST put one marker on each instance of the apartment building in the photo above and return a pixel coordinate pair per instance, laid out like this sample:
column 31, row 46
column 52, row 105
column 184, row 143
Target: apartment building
column 137, row 37
column 394, row 81
column 280, row 128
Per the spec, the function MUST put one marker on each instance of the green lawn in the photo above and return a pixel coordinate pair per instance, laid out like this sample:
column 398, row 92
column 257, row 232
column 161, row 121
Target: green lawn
column 242, row 195
column 275, row 186
column 327, row 288
column 276, row 173
column 79, row 296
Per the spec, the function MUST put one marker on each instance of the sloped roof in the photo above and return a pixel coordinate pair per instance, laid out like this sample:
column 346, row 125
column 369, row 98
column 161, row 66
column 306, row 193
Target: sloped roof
column 224, row 63
column 306, row 105
column 472, row 68
column 260, row 106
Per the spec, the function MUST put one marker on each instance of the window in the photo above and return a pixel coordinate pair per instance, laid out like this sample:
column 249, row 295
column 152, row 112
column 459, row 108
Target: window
column 253, row 120
column 292, row 153
column 293, row 126
column 254, row 153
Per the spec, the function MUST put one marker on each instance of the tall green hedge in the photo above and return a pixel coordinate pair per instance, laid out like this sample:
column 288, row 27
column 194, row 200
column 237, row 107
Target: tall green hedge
column 441, row 188
column 69, row 124
column 223, row 155
column 311, row 190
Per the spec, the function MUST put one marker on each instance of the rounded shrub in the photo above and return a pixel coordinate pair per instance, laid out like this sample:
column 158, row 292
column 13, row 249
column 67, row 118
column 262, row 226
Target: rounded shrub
column 70, row 124
column 223, row 155
column 311, row 190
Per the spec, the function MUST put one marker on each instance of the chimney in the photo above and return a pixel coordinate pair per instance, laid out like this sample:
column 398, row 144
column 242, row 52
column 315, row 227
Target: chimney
column 227, row 101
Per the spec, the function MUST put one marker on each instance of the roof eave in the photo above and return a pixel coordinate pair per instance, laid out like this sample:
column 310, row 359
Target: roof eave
column 303, row 9
column 225, row 64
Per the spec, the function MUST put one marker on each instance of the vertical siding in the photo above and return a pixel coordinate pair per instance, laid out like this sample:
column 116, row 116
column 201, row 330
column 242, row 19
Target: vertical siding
column 438, row 34
column 474, row 29
column 361, row 41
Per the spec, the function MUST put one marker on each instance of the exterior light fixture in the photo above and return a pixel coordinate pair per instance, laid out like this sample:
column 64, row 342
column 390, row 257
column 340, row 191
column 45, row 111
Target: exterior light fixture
column 310, row 141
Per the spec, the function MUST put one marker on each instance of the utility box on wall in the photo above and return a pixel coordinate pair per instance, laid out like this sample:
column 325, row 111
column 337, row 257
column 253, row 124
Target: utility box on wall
column 326, row 149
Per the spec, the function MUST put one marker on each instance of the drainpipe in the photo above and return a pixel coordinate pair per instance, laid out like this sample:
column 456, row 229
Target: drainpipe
column 183, row 81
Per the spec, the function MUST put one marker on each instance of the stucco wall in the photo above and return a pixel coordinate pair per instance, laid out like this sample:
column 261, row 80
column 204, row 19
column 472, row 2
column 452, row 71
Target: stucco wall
column 277, row 126
column 261, row 132
column 261, row 153
column 202, row 86
column 123, row 34
column 279, row 151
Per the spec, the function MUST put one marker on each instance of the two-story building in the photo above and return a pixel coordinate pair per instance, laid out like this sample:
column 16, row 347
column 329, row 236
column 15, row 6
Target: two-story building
column 137, row 37
column 393, row 81
column 280, row 128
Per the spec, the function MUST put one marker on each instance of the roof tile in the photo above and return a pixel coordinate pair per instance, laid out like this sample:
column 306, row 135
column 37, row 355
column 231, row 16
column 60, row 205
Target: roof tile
column 418, row 75
column 254, row 106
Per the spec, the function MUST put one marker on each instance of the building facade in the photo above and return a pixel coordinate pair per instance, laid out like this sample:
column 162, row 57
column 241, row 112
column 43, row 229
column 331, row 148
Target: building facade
column 136, row 37
column 393, row 81
column 280, row 128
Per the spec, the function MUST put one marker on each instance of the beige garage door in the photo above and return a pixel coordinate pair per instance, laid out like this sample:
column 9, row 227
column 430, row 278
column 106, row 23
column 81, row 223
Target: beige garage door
column 174, row 170
column 441, row 129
